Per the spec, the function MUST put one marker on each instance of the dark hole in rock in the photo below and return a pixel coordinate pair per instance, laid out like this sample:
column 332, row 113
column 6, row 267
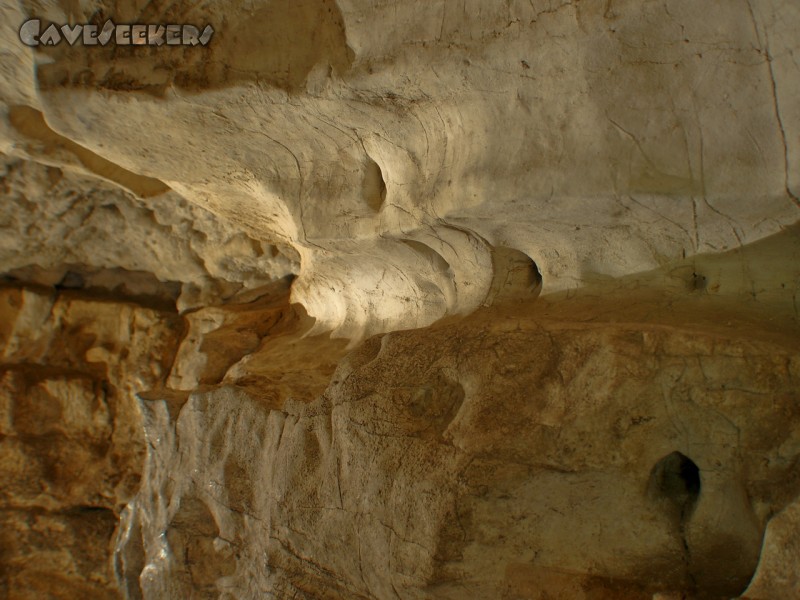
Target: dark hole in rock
column 536, row 286
column 91, row 509
column 676, row 478
column 698, row 282
column 71, row 281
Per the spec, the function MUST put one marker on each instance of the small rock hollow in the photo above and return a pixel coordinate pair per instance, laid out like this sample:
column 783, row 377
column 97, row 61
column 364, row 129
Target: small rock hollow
column 374, row 186
column 676, row 478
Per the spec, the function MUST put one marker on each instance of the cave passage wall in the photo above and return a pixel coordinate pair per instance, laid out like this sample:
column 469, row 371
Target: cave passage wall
column 402, row 300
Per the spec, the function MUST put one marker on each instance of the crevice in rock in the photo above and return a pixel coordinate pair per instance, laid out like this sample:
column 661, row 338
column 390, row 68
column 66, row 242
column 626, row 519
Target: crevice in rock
column 109, row 285
column 374, row 186
column 776, row 104
column 675, row 480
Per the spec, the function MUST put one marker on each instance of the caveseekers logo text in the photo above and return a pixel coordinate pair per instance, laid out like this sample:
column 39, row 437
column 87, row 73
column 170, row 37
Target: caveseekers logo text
column 32, row 34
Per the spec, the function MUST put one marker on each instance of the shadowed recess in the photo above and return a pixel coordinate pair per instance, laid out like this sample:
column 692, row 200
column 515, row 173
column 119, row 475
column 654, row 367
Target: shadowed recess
column 676, row 478
column 374, row 186
column 276, row 43
column 30, row 123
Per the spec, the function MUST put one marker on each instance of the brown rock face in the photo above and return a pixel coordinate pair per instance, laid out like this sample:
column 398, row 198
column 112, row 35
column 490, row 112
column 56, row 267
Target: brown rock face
column 501, row 456
column 71, row 446
column 419, row 300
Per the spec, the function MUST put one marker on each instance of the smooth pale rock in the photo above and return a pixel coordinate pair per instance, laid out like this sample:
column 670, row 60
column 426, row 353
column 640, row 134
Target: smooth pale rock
column 594, row 137
column 777, row 575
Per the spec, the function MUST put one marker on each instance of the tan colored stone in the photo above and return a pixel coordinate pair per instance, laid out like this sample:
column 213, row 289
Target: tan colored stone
column 501, row 456
column 71, row 445
column 267, row 306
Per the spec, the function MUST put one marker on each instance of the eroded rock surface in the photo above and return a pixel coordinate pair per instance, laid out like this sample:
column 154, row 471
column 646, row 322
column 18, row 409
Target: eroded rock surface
column 392, row 147
column 71, row 443
column 56, row 223
column 505, row 457
column 402, row 300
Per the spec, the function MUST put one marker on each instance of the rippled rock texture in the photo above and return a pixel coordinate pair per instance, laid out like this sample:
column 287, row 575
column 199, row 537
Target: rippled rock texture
column 485, row 459
column 478, row 299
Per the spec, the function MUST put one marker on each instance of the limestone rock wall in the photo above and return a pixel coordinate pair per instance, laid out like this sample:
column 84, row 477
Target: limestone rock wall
column 498, row 458
column 57, row 223
column 415, row 300
column 71, row 443
column 390, row 148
